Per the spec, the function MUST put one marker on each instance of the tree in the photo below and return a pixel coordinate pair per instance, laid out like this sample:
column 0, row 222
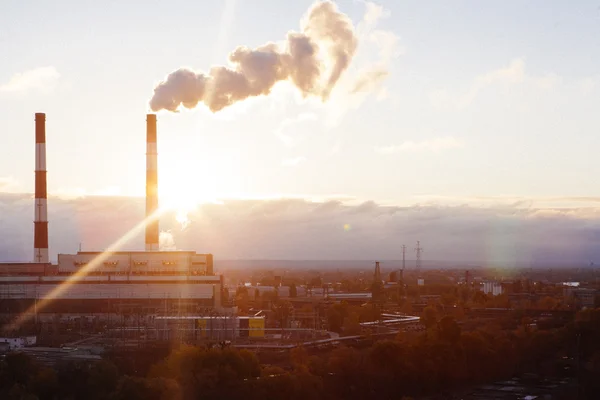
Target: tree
column 479, row 297
column 102, row 379
column 334, row 320
column 132, row 388
column 351, row 324
column 448, row 299
column 299, row 357
column 449, row 329
column 257, row 299
column 429, row 317
column 547, row 303
column 241, row 298
column 293, row 291
column 45, row 384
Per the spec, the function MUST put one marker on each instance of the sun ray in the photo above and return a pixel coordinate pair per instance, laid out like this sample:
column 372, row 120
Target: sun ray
column 84, row 271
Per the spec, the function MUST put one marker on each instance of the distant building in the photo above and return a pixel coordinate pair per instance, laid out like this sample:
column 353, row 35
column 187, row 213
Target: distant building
column 583, row 297
column 14, row 343
column 492, row 287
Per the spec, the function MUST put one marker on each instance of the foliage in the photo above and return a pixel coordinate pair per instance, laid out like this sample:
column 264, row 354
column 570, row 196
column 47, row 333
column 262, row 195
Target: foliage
column 429, row 317
column 293, row 291
column 411, row 365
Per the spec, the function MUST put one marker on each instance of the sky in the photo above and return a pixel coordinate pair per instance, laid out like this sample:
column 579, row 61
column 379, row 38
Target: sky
column 482, row 105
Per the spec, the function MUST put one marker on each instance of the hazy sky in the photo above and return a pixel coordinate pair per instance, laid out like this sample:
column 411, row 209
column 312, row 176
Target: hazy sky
column 482, row 101
column 500, row 235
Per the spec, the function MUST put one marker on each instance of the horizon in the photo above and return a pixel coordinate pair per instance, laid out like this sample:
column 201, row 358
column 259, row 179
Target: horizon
column 298, row 229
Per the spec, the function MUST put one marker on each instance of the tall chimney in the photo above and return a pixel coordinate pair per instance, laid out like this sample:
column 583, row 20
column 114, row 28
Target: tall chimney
column 40, row 224
column 151, row 184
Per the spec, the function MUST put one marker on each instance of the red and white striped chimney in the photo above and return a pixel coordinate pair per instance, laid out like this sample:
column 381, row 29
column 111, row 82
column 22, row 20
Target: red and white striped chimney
column 40, row 224
column 151, row 184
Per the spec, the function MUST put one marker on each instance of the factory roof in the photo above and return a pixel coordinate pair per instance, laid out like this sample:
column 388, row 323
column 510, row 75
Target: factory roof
column 140, row 252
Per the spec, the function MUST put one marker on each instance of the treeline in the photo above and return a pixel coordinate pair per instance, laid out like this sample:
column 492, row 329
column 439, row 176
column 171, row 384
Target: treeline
column 442, row 359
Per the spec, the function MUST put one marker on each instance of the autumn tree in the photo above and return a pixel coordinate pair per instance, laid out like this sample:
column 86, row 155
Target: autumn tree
column 351, row 324
column 429, row 317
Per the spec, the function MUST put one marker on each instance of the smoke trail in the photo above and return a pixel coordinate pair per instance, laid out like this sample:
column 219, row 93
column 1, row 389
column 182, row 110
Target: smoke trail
column 166, row 241
column 313, row 60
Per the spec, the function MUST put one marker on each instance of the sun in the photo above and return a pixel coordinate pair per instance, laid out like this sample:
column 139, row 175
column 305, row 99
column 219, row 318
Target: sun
column 182, row 193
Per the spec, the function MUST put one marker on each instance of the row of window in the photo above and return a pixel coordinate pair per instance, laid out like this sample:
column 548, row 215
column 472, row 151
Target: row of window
column 136, row 263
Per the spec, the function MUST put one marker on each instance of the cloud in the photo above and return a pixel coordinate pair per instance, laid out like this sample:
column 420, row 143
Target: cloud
column 293, row 162
column 305, row 230
column 588, row 85
column 289, row 129
column 368, row 80
column 43, row 79
column 433, row 145
column 78, row 192
column 512, row 74
column 9, row 184
column 377, row 50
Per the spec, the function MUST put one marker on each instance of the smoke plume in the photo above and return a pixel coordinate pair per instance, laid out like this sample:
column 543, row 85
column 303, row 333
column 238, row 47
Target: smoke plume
column 166, row 241
column 312, row 60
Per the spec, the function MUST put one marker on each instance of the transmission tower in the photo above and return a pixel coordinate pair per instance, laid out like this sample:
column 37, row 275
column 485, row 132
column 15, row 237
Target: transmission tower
column 419, row 251
column 403, row 263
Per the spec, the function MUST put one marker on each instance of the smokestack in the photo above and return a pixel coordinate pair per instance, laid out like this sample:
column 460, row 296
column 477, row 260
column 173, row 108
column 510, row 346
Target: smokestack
column 40, row 224
column 151, row 184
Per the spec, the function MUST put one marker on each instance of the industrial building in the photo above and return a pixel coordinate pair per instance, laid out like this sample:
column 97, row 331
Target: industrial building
column 153, row 282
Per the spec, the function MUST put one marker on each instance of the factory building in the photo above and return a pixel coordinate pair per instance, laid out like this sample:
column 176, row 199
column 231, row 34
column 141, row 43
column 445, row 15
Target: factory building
column 155, row 282
column 139, row 263
column 213, row 327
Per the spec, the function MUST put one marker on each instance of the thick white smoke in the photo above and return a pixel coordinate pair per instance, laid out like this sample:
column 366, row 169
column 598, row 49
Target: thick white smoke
column 313, row 60
column 166, row 241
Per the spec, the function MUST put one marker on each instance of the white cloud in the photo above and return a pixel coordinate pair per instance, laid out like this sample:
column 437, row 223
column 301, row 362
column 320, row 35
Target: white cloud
column 374, row 12
column 511, row 75
column 377, row 50
column 285, row 130
column 108, row 191
column 8, row 184
column 298, row 229
column 293, row 162
column 433, row 145
column 588, row 85
column 79, row 192
column 43, row 79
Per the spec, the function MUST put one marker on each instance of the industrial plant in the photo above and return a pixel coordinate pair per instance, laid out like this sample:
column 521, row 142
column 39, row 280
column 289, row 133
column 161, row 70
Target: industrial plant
column 105, row 285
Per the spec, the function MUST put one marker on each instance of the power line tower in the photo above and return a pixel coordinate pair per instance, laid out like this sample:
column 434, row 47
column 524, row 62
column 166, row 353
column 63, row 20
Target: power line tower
column 419, row 251
column 403, row 262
